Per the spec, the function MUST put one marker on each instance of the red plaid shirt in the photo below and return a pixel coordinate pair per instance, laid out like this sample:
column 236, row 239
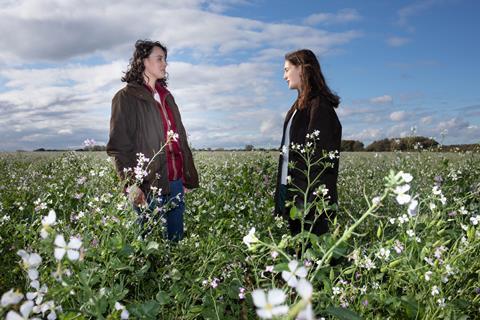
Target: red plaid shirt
column 173, row 151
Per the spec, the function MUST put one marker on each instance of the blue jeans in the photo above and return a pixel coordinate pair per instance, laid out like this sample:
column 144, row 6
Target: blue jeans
column 172, row 207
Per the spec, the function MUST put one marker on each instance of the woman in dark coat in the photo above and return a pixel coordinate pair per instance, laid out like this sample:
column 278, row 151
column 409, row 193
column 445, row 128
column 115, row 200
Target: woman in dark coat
column 313, row 113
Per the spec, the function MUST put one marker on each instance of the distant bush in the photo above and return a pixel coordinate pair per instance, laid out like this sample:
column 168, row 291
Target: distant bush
column 351, row 145
column 402, row 144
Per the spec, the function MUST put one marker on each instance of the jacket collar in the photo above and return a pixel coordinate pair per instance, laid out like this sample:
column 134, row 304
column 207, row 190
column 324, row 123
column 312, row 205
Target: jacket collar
column 139, row 91
column 142, row 92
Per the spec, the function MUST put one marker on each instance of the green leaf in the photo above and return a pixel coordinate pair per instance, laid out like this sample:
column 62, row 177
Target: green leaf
column 148, row 310
column 71, row 316
column 411, row 306
column 152, row 247
column 294, row 213
column 342, row 313
column 162, row 297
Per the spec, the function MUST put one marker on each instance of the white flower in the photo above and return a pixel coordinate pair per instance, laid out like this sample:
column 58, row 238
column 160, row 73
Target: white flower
column 171, row 135
column 50, row 219
column 72, row 249
column 441, row 303
column 398, row 247
column 463, row 211
column 407, row 177
column 31, row 261
column 25, row 310
column 412, row 208
column 368, row 264
column 432, row 206
column 305, row 290
column 403, row 198
column 11, row 297
column 383, row 253
column 125, row 314
column 410, row 233
column 39, row 294
column 403, row 219
column 274, row 254
column 429, row 261
column 402, row 189
column 475, row 220
column 270, row 304
column 436, row 190
column 376, row 201
column 250, row 238
column 435, row 291
column 47, row 222
column 294, row 271
column 363, row 289
column 336, row 291
column 428, row 275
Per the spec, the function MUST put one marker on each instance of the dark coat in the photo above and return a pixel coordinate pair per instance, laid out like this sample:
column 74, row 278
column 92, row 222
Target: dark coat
column 317, row 115
column 136, row 127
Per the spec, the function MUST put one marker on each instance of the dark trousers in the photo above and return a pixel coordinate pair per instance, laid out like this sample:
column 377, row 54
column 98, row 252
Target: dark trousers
column 175, row 207
column 319, row 227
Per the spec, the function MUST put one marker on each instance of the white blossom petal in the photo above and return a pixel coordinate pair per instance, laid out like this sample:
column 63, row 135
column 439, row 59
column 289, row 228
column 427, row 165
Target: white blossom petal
column 304, row 289
column 301, row 272
column 403, row 198
column 73, row 255
column 259, row 298
column 59, row 253
column 279, row 310
column 33, row 274
column 60, row 241
column 292, row 265
column 11, row 297
column 276, row 296
column 74, row 243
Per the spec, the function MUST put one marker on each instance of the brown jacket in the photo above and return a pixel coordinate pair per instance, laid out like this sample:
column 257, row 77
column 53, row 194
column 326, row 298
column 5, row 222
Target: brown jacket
column 136, row 127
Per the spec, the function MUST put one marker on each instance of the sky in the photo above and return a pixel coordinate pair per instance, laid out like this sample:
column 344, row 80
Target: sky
column 400, row 67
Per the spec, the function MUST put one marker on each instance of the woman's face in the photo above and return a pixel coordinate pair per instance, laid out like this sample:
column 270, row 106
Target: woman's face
column 292, row 75
column 155, row 64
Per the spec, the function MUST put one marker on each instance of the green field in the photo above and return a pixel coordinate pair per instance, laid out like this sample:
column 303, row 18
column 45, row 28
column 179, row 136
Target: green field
column 379, row 261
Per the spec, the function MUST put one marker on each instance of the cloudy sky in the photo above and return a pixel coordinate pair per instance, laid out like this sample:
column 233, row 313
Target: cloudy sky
column 395, row 65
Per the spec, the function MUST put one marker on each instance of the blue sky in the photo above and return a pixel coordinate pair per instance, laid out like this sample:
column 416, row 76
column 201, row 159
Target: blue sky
column 395, row 65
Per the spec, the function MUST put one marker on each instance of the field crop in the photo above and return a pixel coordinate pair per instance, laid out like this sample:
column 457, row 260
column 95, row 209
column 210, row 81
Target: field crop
column 70, row 245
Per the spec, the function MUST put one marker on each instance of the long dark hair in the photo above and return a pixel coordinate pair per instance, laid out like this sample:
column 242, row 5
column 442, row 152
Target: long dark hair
column 312, row 80
column 135, row 69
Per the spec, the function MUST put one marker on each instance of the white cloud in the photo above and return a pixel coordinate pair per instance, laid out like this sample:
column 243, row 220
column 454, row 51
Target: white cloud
column 368, row 134
column 342, row 16
column 51, row 31
column 398, row 115
column 415, row 8
column 397, row 41
column 382, row 99
column 426, row 120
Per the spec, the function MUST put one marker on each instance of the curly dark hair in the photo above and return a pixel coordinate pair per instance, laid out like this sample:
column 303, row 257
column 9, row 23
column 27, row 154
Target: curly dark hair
column 135, row 69
column 313, row 81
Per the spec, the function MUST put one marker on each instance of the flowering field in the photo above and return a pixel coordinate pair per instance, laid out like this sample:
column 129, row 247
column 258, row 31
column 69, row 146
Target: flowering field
column 405, row 243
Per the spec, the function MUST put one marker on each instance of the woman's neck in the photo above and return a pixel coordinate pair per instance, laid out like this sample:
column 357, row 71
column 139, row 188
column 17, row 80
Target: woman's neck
column 150, row 81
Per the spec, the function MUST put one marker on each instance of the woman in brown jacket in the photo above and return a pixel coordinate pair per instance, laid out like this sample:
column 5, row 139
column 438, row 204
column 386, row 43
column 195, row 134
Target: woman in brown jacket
column 312, row 114
column 148, row 140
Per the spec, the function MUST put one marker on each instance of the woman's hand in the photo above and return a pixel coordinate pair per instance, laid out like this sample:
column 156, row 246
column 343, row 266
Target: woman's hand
column 136, row 195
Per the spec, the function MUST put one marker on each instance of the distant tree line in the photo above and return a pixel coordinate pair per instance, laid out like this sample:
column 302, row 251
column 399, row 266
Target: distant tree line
column 414, row 143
